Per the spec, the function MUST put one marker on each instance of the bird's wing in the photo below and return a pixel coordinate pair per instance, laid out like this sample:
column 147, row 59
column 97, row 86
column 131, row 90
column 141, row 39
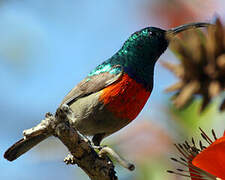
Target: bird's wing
column 94, row 83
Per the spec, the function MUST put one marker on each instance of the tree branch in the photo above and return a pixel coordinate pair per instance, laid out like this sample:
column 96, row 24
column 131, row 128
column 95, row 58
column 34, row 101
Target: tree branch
column 95, row 166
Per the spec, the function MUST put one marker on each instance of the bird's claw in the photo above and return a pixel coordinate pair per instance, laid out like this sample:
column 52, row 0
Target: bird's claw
column 99, row 148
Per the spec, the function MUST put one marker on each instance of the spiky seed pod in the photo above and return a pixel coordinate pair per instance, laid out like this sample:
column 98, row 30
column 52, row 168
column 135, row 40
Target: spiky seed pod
column 202, row 66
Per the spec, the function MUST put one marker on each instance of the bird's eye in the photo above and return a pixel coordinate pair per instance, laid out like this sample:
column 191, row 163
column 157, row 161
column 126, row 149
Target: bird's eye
column 152, row 33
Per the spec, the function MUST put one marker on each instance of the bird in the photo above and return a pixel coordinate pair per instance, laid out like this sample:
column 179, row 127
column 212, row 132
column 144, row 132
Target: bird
column 114, row 93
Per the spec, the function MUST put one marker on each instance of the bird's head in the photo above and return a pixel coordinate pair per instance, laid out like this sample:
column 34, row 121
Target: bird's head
column 151, row 42
column 140, row 52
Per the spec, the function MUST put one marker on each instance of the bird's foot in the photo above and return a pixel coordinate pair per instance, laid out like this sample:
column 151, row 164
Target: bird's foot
column 99, row 148
column 86, row 139
column 69, row 159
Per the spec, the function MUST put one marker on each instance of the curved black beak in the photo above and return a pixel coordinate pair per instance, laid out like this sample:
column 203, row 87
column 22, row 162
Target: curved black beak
column 178, row 29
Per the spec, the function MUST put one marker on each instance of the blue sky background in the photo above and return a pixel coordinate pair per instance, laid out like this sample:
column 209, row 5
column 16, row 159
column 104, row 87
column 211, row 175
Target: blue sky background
column 47, row 47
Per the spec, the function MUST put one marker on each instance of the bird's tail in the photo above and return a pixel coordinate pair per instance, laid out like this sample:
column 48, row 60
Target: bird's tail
column 23, row 146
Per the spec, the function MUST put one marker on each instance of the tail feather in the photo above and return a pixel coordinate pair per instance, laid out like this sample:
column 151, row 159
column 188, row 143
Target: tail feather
column 22, row 146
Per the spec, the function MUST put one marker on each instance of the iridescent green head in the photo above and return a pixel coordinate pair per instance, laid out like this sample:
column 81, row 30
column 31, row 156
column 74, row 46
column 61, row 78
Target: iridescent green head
column 148, row 43
column 151, row 42
column 143, row 48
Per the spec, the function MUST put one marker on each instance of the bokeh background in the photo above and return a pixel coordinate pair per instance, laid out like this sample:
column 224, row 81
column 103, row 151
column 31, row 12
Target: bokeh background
column 47, row 47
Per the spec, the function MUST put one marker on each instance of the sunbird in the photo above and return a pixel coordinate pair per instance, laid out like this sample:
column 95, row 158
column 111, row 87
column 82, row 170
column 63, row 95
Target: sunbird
column 114, row 93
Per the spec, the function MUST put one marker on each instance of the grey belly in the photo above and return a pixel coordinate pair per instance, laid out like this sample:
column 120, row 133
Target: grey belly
column 92, row 117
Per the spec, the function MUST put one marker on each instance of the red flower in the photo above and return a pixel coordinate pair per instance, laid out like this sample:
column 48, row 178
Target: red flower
column 212, row 159
column 203, row 162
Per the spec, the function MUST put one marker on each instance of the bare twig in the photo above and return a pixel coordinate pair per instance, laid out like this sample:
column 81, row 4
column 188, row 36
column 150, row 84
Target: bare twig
column 109, row 151
column 82, row 153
